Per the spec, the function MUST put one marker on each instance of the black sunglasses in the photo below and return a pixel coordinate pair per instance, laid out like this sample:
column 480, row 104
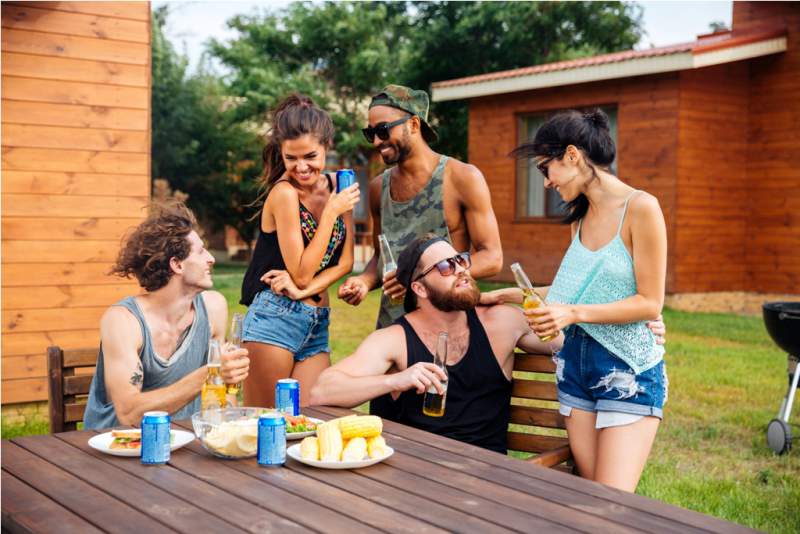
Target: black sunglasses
column 447, row 266
column 382, row 130
column 542, row 165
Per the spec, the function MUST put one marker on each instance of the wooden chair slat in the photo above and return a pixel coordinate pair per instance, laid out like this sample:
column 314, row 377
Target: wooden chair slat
column 74, row 412
column 80, row 357
column 534, row 389
column 553, row 451
column 534, row 363
column 77, row 385
column 517, row 441
column 529, row 415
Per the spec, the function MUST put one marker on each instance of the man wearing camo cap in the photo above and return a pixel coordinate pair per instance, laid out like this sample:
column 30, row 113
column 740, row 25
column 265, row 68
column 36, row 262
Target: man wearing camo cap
column 422, row 192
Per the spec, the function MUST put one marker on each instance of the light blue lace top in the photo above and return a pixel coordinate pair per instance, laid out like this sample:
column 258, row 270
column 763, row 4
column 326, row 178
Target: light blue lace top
column 599, row 277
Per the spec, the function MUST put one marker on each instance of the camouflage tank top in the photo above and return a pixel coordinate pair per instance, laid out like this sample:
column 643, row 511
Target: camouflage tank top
column 402, row 222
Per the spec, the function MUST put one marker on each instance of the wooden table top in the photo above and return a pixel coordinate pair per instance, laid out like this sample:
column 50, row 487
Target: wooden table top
column 431, row 484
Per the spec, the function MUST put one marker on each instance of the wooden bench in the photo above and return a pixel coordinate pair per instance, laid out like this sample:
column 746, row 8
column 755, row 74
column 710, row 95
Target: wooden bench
column 68, row 381
column 533, row 407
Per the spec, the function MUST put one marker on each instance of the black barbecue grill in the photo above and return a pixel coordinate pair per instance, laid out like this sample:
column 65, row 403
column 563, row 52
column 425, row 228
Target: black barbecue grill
column 782, row 320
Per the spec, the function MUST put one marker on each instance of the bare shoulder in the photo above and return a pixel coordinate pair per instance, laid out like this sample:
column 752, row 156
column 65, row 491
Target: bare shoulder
column 119, row 317
column 499, row 314
column 120, row 329
column 465, row 174
column 282, row 192
column 214, row 301
column 644, row 203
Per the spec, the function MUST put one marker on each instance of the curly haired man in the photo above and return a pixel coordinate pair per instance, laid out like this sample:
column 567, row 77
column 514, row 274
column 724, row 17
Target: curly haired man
column 154, row 346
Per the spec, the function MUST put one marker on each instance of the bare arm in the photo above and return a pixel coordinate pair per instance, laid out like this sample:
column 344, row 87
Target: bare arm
column 355, row 289
column 303, row 262
column 484, row 233
column 362, row 375
column 121, row 338
column 326, row 278
column 649, row 240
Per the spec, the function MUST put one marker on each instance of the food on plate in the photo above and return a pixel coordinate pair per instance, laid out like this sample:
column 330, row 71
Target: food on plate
column 299, row 423
column 126, row 439
column 348, row 439
column 233, row 438
column 309, row 448
column 376, row 446
column 355, row 450
column 330, row 442
column 366, row 426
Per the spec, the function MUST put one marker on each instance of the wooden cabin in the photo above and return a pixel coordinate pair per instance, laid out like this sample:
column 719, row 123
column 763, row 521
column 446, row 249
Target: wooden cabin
column 711, row 127
column 75, row 173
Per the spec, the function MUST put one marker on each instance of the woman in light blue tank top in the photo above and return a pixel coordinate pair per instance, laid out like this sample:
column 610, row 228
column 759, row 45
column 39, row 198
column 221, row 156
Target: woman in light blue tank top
column 610, row 373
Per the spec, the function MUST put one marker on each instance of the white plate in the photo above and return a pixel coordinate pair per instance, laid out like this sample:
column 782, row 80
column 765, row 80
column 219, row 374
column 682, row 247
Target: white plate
column 294, row 453
column 301, row 435
column 102, row 442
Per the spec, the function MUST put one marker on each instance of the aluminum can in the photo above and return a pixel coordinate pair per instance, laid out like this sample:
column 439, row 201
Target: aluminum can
column 271, row 439
column 344, row 179
column 287, row 396
column 155, row 438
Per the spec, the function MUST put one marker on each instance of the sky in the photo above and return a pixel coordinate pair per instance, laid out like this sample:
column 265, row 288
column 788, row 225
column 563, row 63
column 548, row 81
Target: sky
column 665, row 22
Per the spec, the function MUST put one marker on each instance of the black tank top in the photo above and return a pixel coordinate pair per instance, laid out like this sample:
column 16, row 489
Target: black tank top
column 267, row 254
column 478, row 394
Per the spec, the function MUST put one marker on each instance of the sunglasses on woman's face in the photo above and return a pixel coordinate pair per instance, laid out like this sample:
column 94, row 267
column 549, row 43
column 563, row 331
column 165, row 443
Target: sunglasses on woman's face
column 382, row 130
column 542, row 165
column 447, row 266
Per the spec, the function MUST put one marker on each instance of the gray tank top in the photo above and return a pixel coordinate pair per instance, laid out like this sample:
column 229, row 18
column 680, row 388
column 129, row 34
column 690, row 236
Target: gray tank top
column 402, row 222
column 158, row 372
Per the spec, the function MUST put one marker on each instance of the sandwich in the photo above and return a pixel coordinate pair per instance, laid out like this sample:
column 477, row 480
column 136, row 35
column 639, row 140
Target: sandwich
column 126, row 439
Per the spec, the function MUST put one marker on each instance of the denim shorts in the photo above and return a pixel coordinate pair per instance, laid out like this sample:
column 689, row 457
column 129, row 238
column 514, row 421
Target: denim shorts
column 591, row 378
column 293, row 325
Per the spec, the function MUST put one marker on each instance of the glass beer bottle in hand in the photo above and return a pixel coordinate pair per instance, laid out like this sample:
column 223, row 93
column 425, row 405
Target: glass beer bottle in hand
column 213, row 394
column 531, row 297
column 235, row 340
column 433, row 403
column 389, row 265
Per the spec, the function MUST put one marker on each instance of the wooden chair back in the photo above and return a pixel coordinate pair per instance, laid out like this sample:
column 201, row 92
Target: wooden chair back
column 534, row 412
column 68, row 381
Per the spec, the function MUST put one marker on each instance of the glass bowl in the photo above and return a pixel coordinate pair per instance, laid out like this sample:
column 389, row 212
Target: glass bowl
column 230, row 433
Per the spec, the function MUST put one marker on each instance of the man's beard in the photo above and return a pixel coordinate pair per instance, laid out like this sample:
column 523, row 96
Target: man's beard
column 402, row 150
column 455, row 299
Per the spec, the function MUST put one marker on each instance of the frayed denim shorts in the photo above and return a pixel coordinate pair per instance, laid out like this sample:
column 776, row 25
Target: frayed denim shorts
column 591, row 378
column 293, row 325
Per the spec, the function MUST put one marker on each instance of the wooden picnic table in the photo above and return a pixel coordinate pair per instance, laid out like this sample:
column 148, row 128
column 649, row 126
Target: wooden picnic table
column 430, row 484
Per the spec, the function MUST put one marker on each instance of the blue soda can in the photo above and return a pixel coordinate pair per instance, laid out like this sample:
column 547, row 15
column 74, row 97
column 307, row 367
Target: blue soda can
column 344, row 179
column 271, row 439
column 287, row 396
column 155, row 438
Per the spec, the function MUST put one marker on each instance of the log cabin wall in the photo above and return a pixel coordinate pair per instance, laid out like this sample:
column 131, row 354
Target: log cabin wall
column 772, row 244
column 75, row 173
column 647, row 110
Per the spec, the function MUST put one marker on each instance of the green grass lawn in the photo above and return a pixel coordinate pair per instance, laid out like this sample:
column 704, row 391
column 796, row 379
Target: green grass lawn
column 726, row 382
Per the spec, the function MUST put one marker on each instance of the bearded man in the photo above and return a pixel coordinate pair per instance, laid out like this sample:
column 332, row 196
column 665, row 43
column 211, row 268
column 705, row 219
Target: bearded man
column 441, row 296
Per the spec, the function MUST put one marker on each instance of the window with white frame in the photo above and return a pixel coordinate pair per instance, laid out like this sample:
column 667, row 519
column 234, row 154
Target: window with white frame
column 533, row 200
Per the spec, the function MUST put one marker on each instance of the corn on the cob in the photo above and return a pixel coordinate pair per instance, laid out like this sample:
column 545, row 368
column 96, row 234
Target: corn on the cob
column 330, row 442
column 376, row 447
column 309, row 448
column 338, row 420
column 363, row 427
column 355, row 450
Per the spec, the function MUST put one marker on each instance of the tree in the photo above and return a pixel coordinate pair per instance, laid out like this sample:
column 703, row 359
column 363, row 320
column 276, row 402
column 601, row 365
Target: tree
column 200, row 145
column 457, row 39
column 337, row 53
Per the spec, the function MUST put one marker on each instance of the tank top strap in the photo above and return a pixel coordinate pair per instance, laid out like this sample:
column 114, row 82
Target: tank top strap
column 624, row 210
column 438, row 171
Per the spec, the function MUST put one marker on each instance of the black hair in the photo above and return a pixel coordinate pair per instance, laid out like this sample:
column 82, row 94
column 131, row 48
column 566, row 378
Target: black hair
column 588, row 131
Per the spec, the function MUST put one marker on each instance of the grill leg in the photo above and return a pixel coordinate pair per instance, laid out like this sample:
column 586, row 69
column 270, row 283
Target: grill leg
column 789, row 400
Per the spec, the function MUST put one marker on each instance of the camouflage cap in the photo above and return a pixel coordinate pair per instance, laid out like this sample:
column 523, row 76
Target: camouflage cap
column 413, row 101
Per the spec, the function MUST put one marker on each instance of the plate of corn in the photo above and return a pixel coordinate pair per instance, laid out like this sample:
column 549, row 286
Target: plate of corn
column 345, row 443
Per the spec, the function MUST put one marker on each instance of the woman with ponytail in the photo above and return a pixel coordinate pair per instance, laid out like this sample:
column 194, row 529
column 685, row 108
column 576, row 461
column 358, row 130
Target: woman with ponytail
column 304, row 245
column 610, row 373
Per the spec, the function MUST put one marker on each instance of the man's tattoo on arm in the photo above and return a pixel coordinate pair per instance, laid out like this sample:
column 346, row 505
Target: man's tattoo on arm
column 137, row 378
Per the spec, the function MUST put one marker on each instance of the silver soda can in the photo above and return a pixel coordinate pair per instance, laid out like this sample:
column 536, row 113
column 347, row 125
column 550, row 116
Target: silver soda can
column 344, row 179
column 271, row 440
column 155, row 438
column 287, row 396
